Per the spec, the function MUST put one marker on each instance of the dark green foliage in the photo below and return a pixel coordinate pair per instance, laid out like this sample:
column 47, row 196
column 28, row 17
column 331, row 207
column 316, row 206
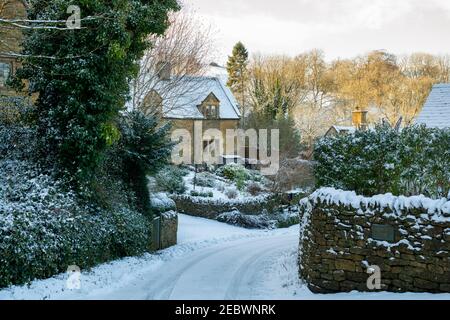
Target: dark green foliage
column 171, row 180
column 144, row 149
column 202, row 194
column 413, row 161
column 44, row 228
column 82, row 76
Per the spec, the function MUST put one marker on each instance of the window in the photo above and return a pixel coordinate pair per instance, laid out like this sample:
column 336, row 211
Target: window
column 211, row 112
column 5, row 70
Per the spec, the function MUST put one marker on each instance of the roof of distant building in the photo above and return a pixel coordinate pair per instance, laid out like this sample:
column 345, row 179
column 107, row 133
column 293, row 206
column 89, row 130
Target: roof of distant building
column 436, row 111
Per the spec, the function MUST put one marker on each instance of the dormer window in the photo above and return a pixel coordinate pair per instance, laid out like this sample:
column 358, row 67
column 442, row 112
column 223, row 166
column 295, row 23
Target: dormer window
column 210, row 107
column 5, row 71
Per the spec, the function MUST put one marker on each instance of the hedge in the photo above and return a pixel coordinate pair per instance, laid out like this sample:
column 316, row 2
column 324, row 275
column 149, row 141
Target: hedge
column 414, row 161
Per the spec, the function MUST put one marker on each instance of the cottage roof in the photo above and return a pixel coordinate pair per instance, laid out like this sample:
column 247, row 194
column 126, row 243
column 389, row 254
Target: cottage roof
column 185, row 105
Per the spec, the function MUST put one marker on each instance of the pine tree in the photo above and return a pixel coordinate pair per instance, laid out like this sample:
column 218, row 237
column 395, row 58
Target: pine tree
column 238, row 73
column 82, row 75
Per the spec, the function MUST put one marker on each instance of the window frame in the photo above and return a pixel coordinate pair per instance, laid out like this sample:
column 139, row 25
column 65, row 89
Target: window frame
column 11, row 70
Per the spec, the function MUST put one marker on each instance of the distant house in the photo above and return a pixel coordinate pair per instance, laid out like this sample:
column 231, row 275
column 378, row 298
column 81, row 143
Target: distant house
column 359, row 121
column 436, row 111
column 196, row 99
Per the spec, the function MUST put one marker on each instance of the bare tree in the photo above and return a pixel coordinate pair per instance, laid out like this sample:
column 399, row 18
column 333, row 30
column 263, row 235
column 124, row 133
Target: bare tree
column 184, row 52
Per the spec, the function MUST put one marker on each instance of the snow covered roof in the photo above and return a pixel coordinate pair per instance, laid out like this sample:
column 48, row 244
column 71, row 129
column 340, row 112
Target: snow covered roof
column 340, row 129
column 185, row 106
column 436, row 111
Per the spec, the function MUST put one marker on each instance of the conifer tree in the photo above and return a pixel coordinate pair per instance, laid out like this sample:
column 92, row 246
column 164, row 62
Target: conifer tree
column 238, row 74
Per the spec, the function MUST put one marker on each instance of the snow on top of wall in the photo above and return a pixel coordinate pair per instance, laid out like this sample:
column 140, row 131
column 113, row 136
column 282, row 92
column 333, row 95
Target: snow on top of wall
column 439, row 208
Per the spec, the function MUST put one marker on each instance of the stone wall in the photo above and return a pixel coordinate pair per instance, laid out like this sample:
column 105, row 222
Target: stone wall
column 342, row 234
column 169, row 229
column 211, row 208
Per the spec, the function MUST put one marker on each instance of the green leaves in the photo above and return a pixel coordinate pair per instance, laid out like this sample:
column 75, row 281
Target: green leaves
column 82, row 76
column 413, row 161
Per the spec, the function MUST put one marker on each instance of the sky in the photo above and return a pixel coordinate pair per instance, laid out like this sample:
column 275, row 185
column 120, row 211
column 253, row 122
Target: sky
column 342, row 28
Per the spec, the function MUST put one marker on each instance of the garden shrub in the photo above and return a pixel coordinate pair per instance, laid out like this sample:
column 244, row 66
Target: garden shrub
column 170, row 179
column 202, row 194
column 205, row 179
column 44, row 228
column 254, row 188
column 410, row 162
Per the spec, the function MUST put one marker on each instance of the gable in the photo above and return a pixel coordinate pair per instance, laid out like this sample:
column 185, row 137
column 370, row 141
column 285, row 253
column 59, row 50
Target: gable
column 211, row 99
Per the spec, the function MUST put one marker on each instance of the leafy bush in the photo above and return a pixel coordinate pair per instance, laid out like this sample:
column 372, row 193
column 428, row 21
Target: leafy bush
column 231, row 193
column 205, row 179
column 413, row 161
column 170, row 179
column 44, row 228
column 161, row 203
column 144, row 148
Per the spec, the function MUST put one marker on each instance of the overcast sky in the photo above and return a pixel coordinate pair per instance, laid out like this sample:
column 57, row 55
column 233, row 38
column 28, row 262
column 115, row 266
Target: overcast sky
column 342, row 28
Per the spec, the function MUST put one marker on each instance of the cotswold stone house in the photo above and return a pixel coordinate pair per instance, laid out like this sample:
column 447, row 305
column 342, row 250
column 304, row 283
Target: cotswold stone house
column 195, row 101
column 10, row 39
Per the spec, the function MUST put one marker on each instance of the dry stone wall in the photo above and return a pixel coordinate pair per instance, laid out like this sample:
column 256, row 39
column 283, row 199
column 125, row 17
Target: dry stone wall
column 343, row 234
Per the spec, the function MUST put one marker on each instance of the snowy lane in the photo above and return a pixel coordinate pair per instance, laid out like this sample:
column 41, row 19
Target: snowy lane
column 222, row 272
column 212, row 261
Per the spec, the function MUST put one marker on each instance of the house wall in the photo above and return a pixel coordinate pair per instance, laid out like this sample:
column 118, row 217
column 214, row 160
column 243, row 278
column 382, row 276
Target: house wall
column 220, row 124
column 10, row 39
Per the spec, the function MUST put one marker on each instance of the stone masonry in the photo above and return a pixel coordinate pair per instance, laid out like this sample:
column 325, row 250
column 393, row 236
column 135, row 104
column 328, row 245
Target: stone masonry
column 341, row 238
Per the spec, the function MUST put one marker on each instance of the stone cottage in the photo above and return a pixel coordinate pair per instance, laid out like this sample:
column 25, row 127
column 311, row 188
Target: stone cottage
column 193, row 101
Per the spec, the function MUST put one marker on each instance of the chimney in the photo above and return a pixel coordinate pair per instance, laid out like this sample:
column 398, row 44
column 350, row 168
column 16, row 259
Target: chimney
column 164, row 70
column 359, row 119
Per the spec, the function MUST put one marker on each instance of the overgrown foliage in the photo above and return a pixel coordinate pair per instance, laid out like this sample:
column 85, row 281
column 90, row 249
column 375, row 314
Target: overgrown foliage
column 82, row 75
column 45, row 227
column 237, row 68
column 170, row 179
column 143, row 150
column 413, row 161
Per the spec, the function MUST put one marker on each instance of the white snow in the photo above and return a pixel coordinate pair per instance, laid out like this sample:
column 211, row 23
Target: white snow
column 211, row 261
column 439, row 209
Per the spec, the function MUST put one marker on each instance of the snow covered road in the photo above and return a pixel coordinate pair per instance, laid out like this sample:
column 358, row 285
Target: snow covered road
column 230, row 271
column 211, row 261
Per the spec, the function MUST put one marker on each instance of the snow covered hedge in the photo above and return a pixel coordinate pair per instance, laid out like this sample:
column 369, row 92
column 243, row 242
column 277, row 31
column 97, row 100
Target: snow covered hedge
column 411, row 162
column 44, row 228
